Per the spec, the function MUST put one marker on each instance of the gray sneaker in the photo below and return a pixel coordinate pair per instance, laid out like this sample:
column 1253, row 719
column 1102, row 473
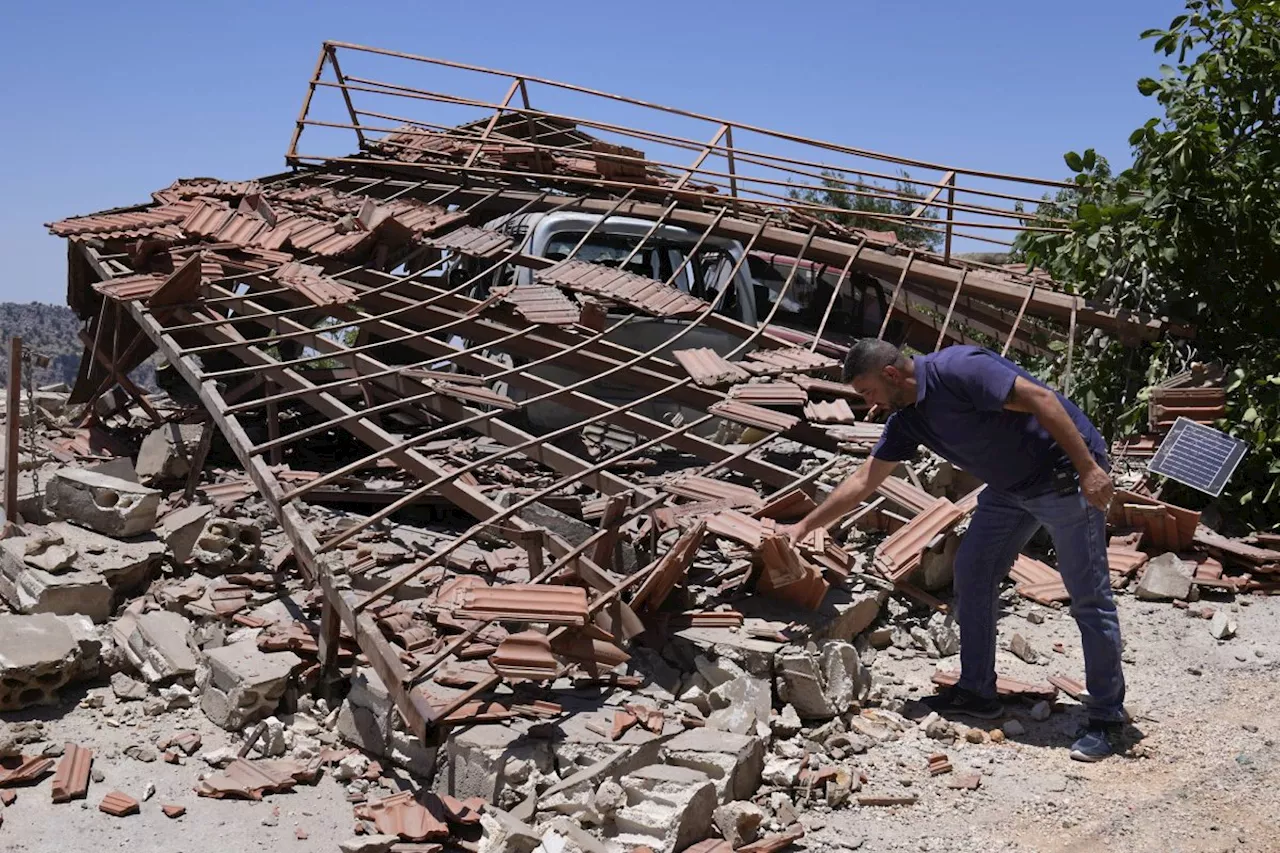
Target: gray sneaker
column 1094, row 744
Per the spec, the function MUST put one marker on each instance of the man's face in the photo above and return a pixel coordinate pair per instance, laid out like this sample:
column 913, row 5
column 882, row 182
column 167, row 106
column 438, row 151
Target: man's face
column 883, row 389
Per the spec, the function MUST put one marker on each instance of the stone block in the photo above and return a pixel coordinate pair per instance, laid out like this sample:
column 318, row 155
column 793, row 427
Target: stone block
column 41, row 653
column 165, row 453
column 108, row 505
column 824, row 681
column 668, row 808
column 1165, row 578
column 242, row 685
column 157, row 646
column 733, row 762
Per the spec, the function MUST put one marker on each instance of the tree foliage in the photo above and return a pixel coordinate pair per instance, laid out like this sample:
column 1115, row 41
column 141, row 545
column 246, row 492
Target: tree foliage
column 1192, row 229
column 867, row 211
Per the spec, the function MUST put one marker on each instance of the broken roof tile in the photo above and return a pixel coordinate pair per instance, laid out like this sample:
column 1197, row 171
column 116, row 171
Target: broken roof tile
column 899, row 554
column 22, row 769
column 403, row 815
column 525, row 655
column 312, row 283
column 776, row 361
column 835, row 412
column 670, row 570
column 791, row 506
column 779, row 394
column 133, row 223
column 71, row 780
column 1004, row 686
column 249, row 779
column 699, row 488
column 707, row 367
column 756, row 416
column 541, row 304
column 643, row 294
column 526, row 602
column 118, row 804
column 476, row 242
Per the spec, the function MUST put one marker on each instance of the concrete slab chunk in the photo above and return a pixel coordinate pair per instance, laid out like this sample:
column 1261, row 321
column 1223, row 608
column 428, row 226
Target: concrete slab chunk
column 668, row 808
column 165, row 453
column 733, row 762
column 158, row 647
column 106, row 504
column 41, row 653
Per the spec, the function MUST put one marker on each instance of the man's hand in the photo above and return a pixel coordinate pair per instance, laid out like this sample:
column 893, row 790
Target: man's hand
column 1096, row 486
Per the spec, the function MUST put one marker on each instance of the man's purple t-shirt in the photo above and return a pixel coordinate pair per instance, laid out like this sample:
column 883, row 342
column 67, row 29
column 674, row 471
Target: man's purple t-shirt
column 959, row 414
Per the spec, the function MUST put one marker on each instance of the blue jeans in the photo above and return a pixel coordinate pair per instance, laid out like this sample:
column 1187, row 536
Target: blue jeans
column 1001, row 527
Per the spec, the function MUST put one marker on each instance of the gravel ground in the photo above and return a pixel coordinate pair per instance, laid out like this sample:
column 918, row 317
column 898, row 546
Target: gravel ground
column 1201, row 773
column 1201, row 770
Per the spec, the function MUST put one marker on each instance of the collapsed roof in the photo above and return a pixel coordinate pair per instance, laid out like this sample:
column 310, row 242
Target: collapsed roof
column 363, row 294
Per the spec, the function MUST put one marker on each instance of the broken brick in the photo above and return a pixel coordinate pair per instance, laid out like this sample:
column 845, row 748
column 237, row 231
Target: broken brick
column 172, row 811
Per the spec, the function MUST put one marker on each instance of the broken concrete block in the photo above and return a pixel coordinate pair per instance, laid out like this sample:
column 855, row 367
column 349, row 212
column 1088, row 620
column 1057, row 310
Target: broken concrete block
column 368, row 719
column 181, row 529
column 108, row 505
column 741, row 705
column 157, row 646
column 822, row 682
column 29, row 589
column 497, row 763
column 504, row 833
column 738, row 822
column 165, row 453
column 733, row 762
column 243, row 685
column 225, row 544
column 125, row 566
column 41, row 653
column 668, row 808
column 1165, row 578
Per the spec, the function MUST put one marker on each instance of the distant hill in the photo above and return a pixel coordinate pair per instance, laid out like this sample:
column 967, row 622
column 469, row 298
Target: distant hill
column 50, row 330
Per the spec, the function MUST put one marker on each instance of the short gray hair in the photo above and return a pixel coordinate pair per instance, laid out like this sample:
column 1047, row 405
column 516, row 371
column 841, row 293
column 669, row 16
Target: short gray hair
column 869, row 355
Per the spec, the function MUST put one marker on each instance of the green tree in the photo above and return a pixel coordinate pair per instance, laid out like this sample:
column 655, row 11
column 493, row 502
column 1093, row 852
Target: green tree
column 1192, row 228
column 868, row 211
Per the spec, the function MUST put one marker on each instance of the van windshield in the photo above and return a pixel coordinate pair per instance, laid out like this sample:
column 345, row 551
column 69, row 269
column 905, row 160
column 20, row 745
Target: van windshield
column 658, row 260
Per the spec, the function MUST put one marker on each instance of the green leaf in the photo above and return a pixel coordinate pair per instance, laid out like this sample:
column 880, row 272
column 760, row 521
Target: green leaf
column 1074, row 161
column 1250, row 415
column 1148, row 87
column 1090, row 158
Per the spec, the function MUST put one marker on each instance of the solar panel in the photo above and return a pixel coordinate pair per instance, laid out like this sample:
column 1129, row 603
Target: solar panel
column 1198, row 456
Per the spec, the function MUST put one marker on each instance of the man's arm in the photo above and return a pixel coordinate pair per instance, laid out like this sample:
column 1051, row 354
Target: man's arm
column 1034, row 399
column 844, row 498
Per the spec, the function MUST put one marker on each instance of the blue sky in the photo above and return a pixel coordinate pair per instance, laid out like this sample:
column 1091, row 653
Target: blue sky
column 103, row 103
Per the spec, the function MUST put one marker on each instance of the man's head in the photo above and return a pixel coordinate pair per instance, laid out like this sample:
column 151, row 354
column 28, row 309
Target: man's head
column 879, row 372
